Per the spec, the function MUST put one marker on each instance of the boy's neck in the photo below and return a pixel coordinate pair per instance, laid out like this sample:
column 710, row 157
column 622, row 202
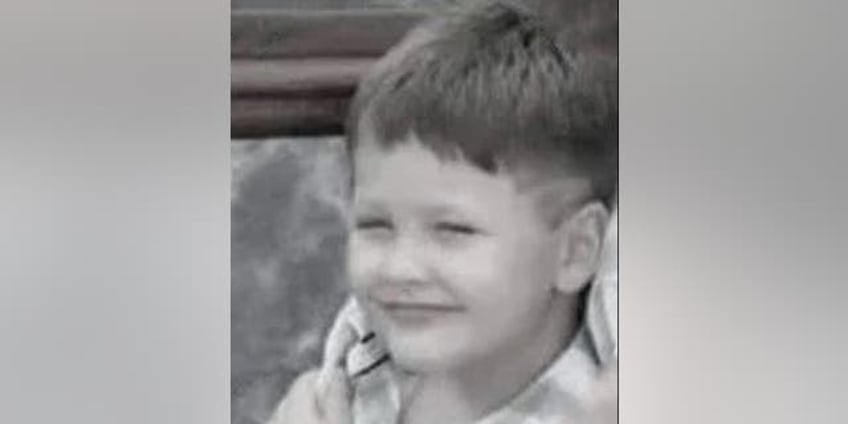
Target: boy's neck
column 470, row 393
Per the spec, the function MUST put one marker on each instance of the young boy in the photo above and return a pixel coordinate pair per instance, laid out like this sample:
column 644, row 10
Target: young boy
column 485, row 163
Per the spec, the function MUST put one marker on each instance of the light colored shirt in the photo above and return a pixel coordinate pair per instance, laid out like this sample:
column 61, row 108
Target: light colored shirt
column 562, row 392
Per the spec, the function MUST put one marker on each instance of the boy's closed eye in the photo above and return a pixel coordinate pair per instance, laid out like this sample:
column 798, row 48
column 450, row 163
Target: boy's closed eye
column 375, row 228
column 373, row 223
column 449, row 233
column 456, row 228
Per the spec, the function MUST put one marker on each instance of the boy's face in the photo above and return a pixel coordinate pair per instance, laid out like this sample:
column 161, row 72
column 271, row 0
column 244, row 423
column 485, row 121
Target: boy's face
column 451, row 264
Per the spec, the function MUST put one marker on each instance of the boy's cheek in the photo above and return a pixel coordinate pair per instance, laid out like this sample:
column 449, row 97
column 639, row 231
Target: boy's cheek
column 360, row 265
column 472, row 264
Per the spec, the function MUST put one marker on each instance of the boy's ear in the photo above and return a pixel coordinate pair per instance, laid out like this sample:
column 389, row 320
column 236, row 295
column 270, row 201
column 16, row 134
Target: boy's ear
column 580, row 242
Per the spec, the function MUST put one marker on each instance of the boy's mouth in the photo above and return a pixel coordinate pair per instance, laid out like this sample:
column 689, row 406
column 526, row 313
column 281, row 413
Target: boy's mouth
column 395, row 305
column 416, row 313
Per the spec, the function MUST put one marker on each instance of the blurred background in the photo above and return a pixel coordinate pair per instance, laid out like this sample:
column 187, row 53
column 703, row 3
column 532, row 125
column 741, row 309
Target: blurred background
column 287, row 269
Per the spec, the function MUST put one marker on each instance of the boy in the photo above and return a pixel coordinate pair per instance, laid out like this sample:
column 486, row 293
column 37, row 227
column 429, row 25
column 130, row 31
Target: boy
column 485, row 163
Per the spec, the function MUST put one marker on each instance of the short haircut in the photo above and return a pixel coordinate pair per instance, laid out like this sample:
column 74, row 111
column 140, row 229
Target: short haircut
column 499, row 87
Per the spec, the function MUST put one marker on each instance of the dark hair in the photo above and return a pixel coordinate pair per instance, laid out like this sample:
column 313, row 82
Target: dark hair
column 499, row 87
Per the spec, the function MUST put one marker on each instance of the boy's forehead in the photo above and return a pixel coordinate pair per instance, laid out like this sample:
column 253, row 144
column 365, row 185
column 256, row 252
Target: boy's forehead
column 527, row 175
column 412, row 164
column 410, row 169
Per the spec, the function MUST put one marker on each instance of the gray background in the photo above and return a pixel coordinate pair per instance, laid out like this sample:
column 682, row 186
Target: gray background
column 289, row 198
column 115, row 219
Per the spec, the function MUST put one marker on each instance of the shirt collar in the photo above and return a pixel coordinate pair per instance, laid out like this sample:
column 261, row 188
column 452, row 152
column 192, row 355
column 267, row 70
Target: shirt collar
column 562, row 390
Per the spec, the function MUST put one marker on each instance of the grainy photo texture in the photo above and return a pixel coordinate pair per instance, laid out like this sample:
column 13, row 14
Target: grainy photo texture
column 424, row 211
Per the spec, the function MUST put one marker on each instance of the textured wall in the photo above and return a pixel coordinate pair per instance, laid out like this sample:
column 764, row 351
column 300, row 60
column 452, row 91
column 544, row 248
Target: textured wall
column 288, row 201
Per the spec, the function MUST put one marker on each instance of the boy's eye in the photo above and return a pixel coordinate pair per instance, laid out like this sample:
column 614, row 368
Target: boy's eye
column 373, row 224
column 456, row 228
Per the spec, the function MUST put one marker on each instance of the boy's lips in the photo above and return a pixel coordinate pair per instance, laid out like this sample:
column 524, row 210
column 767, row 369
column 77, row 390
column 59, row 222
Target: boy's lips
column 397, row 305
column 415, row 312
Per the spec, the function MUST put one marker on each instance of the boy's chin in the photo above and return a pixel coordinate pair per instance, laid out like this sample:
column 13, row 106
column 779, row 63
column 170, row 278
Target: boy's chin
column 426, row 357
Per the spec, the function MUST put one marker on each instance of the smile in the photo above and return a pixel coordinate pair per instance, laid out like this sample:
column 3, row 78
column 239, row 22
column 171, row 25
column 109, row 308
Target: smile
column 417, row 313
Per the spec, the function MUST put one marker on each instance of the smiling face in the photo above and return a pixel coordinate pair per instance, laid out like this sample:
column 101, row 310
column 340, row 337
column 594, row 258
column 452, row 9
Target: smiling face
column 451, row 264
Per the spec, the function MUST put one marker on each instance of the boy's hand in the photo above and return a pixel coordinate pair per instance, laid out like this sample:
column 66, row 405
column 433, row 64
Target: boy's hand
column 306, row 404
column 322, row 397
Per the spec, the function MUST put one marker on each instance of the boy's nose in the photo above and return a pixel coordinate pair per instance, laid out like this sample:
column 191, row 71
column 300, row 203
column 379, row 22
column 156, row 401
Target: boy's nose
column 402, row 264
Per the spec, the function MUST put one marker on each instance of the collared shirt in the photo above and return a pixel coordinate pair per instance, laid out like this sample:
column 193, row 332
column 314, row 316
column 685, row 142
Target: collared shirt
column 560, row 393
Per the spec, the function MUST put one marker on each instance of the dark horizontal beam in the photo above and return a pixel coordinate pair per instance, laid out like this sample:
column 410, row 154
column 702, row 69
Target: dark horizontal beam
column 294, row 72
column 299, row 78
column 261, row 34
column 262, row 117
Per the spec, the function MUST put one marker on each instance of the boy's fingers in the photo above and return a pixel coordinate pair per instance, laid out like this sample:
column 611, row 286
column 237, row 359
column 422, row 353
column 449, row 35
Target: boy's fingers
column 334, row 402
column 342, row 337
